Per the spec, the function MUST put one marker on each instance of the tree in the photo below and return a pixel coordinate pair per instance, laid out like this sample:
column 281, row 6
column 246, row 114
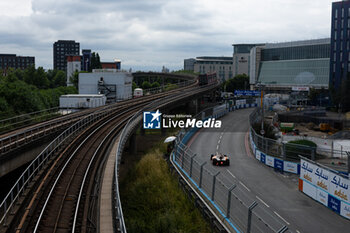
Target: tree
column 98, row 62
column 95, row 61
column 134, row 86
column 50, row 74
column 36, row 77
column 74, row 79
column 239, row 82
column 60, row 79
column 146, row 85
column 155, row 85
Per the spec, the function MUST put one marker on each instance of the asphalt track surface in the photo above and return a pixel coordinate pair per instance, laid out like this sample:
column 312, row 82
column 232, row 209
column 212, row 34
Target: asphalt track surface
column 273, row 190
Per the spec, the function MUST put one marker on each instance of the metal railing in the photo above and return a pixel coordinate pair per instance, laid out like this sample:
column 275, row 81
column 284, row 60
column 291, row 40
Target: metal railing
column 18, row 139
column 163, row 88
column 37, row 164
column 238, row 207
column 24, row 119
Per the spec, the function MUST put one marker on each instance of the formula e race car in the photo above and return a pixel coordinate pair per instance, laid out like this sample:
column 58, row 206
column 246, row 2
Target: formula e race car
column 220, row 160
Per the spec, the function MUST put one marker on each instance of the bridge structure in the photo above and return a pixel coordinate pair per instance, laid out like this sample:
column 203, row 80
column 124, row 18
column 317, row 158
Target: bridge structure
column 60, row 188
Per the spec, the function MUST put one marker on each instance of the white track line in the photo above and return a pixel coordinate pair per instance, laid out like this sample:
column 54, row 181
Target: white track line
column 230, row 173
column 297, row 231
column 244, row 186
column 281, row 217
column 217, row 147
column 262, row 201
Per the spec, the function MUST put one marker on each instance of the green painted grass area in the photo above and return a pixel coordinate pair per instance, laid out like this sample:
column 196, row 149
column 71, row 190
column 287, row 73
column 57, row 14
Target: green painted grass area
column 154, row 202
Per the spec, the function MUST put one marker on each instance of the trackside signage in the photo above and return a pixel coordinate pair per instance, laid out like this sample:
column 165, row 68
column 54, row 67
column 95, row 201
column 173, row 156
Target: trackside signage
column 327, row 187
column 157, row 120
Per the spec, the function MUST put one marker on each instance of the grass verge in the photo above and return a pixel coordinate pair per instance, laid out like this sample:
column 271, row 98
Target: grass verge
column 153, row 201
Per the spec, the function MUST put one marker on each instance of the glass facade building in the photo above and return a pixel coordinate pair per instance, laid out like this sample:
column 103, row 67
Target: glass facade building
column 296, row 53
column 340, row 48
column 298, row 63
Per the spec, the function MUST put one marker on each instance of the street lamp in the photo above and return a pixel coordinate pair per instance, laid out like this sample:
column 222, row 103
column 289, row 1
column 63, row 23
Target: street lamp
column 261, row 87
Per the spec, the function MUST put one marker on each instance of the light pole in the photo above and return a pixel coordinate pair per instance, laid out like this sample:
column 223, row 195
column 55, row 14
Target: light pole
column 261, row 86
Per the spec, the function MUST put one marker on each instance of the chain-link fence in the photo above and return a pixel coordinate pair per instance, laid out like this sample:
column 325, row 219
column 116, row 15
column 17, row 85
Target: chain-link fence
column 234, row 204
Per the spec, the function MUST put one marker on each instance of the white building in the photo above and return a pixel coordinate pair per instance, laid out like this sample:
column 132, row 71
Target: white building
column 81, row 101
column 115, row 85
column 73, row 64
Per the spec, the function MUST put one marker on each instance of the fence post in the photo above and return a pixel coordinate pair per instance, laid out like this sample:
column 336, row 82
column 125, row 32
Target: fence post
column 229, row 201
column 183, row 158
column 250, row 208
column 213, row 189
column 348, row 154
column 201, row 175
column 332, row 149
column 192, row 164
column 284, row 152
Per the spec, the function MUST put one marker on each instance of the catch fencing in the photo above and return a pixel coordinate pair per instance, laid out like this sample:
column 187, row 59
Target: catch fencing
column 285, row 151
column 238, row 208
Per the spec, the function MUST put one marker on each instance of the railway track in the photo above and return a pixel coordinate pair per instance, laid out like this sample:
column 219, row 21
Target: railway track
column 18, row 138
column 61, row 200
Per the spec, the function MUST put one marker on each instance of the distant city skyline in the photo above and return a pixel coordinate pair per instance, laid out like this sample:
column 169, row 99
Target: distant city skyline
column 147, row 35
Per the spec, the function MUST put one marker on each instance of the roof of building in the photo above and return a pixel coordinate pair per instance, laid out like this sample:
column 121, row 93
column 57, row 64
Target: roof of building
column 311, row 72
column 214, row 58
column 298, row 43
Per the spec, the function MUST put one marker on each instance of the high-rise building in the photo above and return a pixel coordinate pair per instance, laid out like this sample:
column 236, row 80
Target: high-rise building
column 340, row 48
column 15, row 62
column 86, row 59
column 61, row 49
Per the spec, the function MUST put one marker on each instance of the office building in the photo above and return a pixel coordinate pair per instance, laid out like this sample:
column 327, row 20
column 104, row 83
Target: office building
column 222, row 66
column 61, row 49
column 340, row 48
column 297, row 65
column 189, row 64
column 241, row 58
column 16, row 62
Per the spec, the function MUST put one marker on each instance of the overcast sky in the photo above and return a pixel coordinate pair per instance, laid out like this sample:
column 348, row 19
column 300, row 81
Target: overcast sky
column 147, row 34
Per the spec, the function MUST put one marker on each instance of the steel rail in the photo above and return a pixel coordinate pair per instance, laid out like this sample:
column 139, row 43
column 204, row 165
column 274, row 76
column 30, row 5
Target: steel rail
column 70, row 158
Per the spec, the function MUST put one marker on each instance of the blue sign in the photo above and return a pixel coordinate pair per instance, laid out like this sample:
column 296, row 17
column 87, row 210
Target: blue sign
column 151, row 120
column 334, row 203
column 262, row 157
column 279, row 164
column 247, row 93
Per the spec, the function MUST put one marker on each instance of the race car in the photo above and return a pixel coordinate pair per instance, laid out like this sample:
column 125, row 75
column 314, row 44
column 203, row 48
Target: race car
column 220, row 160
